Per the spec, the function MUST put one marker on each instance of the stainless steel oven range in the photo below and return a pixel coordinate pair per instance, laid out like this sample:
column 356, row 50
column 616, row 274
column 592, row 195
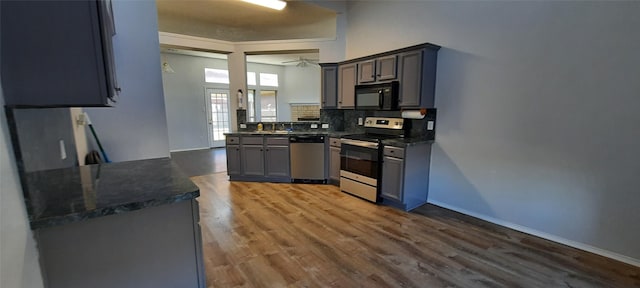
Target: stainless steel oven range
column 360, row 157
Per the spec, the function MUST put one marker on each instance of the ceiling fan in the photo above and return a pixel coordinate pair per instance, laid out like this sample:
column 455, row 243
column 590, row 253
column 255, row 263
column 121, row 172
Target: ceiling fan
column 303, row 62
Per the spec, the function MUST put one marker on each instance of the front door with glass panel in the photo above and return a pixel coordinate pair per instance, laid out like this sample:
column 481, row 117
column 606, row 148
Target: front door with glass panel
column 217, row 103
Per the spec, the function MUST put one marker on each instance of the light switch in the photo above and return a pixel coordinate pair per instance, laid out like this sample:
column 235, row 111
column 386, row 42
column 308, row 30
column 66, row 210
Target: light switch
column 243, row 126
column 359, row 120
column 430, row 125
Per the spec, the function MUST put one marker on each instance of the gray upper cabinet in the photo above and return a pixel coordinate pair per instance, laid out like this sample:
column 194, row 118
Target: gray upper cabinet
column 57, row 53
column 346, row 85
column 417, row 78
column 386, row 68
column 367, row 71
column 377, row 70
column 329, row 88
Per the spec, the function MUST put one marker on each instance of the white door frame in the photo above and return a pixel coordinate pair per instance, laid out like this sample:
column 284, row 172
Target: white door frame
column 209, row 115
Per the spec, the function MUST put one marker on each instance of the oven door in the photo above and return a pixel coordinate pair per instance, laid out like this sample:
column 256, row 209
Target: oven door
column 360, row 157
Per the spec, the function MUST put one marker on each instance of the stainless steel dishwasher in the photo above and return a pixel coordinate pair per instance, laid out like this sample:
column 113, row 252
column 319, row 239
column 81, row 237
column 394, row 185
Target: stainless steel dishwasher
column 307, row 159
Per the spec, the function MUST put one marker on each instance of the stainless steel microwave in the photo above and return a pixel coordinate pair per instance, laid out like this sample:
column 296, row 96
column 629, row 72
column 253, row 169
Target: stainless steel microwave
column 381, row 96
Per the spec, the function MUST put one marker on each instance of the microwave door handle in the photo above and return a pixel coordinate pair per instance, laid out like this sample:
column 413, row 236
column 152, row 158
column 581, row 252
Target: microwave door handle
column 380, row 98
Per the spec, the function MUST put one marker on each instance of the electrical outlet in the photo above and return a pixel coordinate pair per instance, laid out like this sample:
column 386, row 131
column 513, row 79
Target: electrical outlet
column 430, row 125
column 325, row 126
column 243, row 126
column 314, row 126
column 360, row 121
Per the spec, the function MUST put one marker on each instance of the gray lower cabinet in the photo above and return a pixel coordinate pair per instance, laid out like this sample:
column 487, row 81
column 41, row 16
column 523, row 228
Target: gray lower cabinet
column 258, row 158
column 157, row 246
column 405, row 176
column 334, row 161
column 277, row 161
column 392, row 178
column 252, row 160
column 234, row 166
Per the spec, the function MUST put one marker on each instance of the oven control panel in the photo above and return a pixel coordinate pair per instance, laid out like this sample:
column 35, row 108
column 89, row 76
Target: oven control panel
column 383, row 122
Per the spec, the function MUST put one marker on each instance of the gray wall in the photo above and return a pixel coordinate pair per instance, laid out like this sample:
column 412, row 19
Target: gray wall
column 19, row 265
column 185, row 103
column 136, row 128
column 184, row 99
column 538, row 111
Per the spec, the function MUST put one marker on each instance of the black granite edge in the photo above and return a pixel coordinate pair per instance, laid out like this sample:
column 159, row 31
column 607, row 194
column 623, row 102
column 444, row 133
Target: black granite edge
column 405, row 142
column 116, row 209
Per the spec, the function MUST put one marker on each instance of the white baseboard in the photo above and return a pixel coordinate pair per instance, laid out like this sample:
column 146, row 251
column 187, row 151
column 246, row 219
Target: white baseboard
column 190, row 149
column 554, row 238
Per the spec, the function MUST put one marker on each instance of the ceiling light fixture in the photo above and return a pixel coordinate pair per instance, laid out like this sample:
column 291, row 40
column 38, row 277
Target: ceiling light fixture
column 273, row 4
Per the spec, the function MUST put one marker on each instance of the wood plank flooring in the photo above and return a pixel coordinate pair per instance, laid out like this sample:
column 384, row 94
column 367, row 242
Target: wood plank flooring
column 304, row 235
column 201, row 162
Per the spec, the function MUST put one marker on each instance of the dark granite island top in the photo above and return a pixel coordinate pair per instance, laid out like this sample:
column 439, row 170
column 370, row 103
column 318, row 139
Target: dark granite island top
column 61, row 196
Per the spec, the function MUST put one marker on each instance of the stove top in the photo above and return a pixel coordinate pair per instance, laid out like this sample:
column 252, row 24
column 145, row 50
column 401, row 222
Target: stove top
column 379, row 128
column 371, row 137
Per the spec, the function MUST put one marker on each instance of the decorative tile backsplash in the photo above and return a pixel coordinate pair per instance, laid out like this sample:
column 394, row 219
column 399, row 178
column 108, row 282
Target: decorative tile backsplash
column 305, row 112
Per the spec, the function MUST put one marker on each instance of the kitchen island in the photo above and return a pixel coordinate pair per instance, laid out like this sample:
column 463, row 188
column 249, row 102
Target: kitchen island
column 127, row 224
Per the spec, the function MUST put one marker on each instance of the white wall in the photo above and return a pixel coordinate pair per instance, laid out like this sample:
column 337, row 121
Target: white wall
column 302, row 84
column 538, row 111
column 19, row 266
column 136, row 128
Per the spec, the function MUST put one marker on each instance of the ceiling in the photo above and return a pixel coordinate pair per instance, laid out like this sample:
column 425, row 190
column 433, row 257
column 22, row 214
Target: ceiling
column 237, row 21
column 273, row 59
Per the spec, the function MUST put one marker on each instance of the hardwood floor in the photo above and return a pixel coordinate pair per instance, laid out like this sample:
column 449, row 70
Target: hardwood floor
column 305, row 235
column 201, row 162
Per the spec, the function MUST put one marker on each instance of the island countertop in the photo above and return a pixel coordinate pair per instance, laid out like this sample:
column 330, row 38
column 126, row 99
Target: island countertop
column 60, row 196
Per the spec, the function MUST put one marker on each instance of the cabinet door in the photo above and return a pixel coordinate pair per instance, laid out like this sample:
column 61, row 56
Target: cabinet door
column 56, row 53
column 392, row 178
column 233, row 160
column 386, row 68
column 411, row 79
column 277, row 161
column 347, row 85
column 252, row 160
column 334, row 163
column 367, row 71
column 329, row 88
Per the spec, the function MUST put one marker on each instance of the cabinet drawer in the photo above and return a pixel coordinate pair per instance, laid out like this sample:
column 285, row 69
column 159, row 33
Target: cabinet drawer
column 335, row 142
column 252, row 140
column 394, row 152
column 233, row 140
column 277, row 141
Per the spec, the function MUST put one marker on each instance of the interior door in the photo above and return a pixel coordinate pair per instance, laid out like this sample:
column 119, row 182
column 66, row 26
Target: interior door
column 218, row 121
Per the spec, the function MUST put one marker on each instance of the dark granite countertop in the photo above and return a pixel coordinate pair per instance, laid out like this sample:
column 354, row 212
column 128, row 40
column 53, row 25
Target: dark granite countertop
column 271, row 133
column 61, row 196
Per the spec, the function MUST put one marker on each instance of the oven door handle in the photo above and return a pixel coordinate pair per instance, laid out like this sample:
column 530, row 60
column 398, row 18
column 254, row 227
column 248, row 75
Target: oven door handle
column 359, row 143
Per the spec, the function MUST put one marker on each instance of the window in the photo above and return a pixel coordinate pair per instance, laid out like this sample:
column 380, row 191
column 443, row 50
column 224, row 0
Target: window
column 216, row 76
column 268, row 79
column 251, row 78
column 268, row 105
column 251, row 107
